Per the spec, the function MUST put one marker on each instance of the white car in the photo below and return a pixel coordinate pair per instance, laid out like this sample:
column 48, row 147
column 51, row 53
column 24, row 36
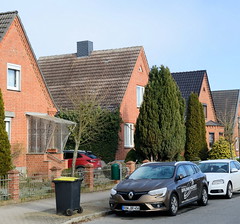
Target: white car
column 223, row 176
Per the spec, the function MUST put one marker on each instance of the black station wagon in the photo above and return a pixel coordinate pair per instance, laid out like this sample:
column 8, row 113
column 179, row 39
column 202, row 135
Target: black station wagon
column 160, row 186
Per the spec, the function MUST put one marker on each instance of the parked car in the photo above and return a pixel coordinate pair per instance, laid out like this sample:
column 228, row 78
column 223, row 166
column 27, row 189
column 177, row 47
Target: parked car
column 83, row 158
column 160, row 186
column 223, row 176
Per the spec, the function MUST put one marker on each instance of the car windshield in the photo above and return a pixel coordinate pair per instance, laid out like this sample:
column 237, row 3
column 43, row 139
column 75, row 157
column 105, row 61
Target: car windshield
column 215, row 167
column 153, row 172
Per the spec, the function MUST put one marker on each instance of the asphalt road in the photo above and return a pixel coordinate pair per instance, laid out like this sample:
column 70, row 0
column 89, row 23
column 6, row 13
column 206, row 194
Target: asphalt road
column 218, row 211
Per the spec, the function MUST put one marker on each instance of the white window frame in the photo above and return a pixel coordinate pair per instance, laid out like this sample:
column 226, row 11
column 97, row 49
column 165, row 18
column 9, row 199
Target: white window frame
column 128, row 135
column 140, row 91
column 8, row 124
column 16, row 68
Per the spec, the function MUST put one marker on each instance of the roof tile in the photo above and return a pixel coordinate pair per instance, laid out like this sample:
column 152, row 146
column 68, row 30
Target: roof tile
column 105, row 71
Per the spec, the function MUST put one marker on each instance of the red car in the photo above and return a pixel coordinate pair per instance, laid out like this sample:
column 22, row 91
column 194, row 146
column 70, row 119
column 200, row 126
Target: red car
column 83, row 158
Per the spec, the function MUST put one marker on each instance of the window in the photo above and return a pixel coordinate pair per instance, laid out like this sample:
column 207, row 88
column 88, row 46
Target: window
column 205, row 110
column 190, row 170
column 232, row 165
column 220, row 134
column 237, row 164
column 8, row 126
column 211, row 139
column 128, row 135
column 45, row 132
column 140, row 92
column 13, row 77
column 181, row 171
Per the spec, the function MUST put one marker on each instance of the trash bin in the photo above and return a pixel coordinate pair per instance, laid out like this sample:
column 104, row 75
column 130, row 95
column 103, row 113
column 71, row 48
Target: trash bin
column 115, row 171
column 67, row 191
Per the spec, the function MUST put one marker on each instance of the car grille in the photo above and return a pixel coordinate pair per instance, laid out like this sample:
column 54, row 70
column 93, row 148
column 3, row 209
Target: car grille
column 216, row 191
column 136, row 195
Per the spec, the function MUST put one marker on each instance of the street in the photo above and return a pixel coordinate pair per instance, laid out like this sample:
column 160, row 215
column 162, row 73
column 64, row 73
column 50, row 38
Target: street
column 218, row 211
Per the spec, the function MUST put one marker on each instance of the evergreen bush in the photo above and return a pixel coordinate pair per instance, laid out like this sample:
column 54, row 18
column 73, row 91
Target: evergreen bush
column 5, row 148
column 220, row 150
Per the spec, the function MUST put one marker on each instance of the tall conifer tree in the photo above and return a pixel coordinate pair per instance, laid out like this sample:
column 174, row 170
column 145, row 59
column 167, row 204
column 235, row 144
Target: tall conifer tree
column 160, row 128
column 196, row 146
column 5, row 152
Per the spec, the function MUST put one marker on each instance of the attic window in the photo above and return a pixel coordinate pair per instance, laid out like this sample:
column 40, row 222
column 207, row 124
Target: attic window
column 204, row 89
column 140, row 69
column 13, row 77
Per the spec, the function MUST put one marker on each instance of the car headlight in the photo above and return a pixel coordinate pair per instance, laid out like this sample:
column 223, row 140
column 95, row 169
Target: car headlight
column 220, row 181
column 113, row 190
column 158, row 192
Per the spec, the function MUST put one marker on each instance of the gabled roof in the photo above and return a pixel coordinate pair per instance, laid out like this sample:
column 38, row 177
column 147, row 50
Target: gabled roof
column 189, row 82
column 106, row 71
column 6, row 20
column 226, row 102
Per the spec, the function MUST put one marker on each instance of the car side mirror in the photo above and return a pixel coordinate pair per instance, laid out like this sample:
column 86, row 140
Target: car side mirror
column 180, row 177
column 234, row 170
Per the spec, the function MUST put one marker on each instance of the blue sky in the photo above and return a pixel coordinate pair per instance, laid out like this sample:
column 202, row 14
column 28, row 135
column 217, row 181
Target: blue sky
column 184, row 35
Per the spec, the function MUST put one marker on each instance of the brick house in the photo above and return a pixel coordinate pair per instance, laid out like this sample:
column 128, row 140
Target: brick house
column 227, row 105
column 119, row 74
column 29, row 108
column 197, row 82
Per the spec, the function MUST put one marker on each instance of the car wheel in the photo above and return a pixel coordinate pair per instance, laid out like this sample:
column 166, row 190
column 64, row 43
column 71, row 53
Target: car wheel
column 173, row 205
column 229, row 192
column 204, row 197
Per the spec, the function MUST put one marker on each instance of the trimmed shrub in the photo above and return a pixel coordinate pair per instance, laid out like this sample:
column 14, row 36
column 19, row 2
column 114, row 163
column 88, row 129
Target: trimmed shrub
column 220, row 150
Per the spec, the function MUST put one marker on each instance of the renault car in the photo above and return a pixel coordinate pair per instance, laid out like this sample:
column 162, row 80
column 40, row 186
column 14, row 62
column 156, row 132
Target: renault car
column 160, row 186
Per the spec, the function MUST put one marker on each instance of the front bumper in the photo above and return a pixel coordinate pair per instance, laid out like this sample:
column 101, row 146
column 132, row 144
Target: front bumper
column 145, row 203
column 217, row 189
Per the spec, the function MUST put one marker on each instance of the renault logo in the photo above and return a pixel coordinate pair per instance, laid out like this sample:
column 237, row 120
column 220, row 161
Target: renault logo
column 130, row 195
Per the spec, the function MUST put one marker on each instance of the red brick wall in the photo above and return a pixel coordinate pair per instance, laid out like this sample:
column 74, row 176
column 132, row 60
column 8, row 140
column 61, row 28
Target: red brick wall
column 206, row 98
column 128, row 108
column 33, row 96
column 42, row 163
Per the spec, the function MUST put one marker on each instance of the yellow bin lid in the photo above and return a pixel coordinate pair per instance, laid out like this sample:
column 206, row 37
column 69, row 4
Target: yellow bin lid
column 66, row 179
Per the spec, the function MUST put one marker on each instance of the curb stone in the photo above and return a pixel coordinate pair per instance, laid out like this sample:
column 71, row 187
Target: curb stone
column 88, row 217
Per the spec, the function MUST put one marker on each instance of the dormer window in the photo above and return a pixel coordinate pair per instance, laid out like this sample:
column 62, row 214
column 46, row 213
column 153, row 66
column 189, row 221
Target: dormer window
column 13, row 77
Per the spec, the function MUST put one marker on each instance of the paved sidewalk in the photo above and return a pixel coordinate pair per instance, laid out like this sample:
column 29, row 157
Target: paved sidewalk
column 43, row 211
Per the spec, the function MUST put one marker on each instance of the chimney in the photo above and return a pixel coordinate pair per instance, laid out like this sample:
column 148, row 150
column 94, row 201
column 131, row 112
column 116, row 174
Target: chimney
column 84, row 48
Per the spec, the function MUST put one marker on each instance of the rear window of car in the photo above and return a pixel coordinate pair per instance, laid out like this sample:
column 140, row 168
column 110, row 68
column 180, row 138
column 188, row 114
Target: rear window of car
column 153, row 172
column 92, row 156
column 69, row 155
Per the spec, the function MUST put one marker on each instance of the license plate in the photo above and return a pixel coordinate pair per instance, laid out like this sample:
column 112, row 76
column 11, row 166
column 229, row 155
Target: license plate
column 130, row 208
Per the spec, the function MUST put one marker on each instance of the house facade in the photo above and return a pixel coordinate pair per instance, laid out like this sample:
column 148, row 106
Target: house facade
column 227, row 105
column 29, row 108
column 197, row 82
column 119, row 76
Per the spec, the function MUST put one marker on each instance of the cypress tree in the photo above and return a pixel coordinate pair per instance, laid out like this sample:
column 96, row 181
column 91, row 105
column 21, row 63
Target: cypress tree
column 196, row 146
column 203, row 153
column 160, row 129
column 5, row 152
